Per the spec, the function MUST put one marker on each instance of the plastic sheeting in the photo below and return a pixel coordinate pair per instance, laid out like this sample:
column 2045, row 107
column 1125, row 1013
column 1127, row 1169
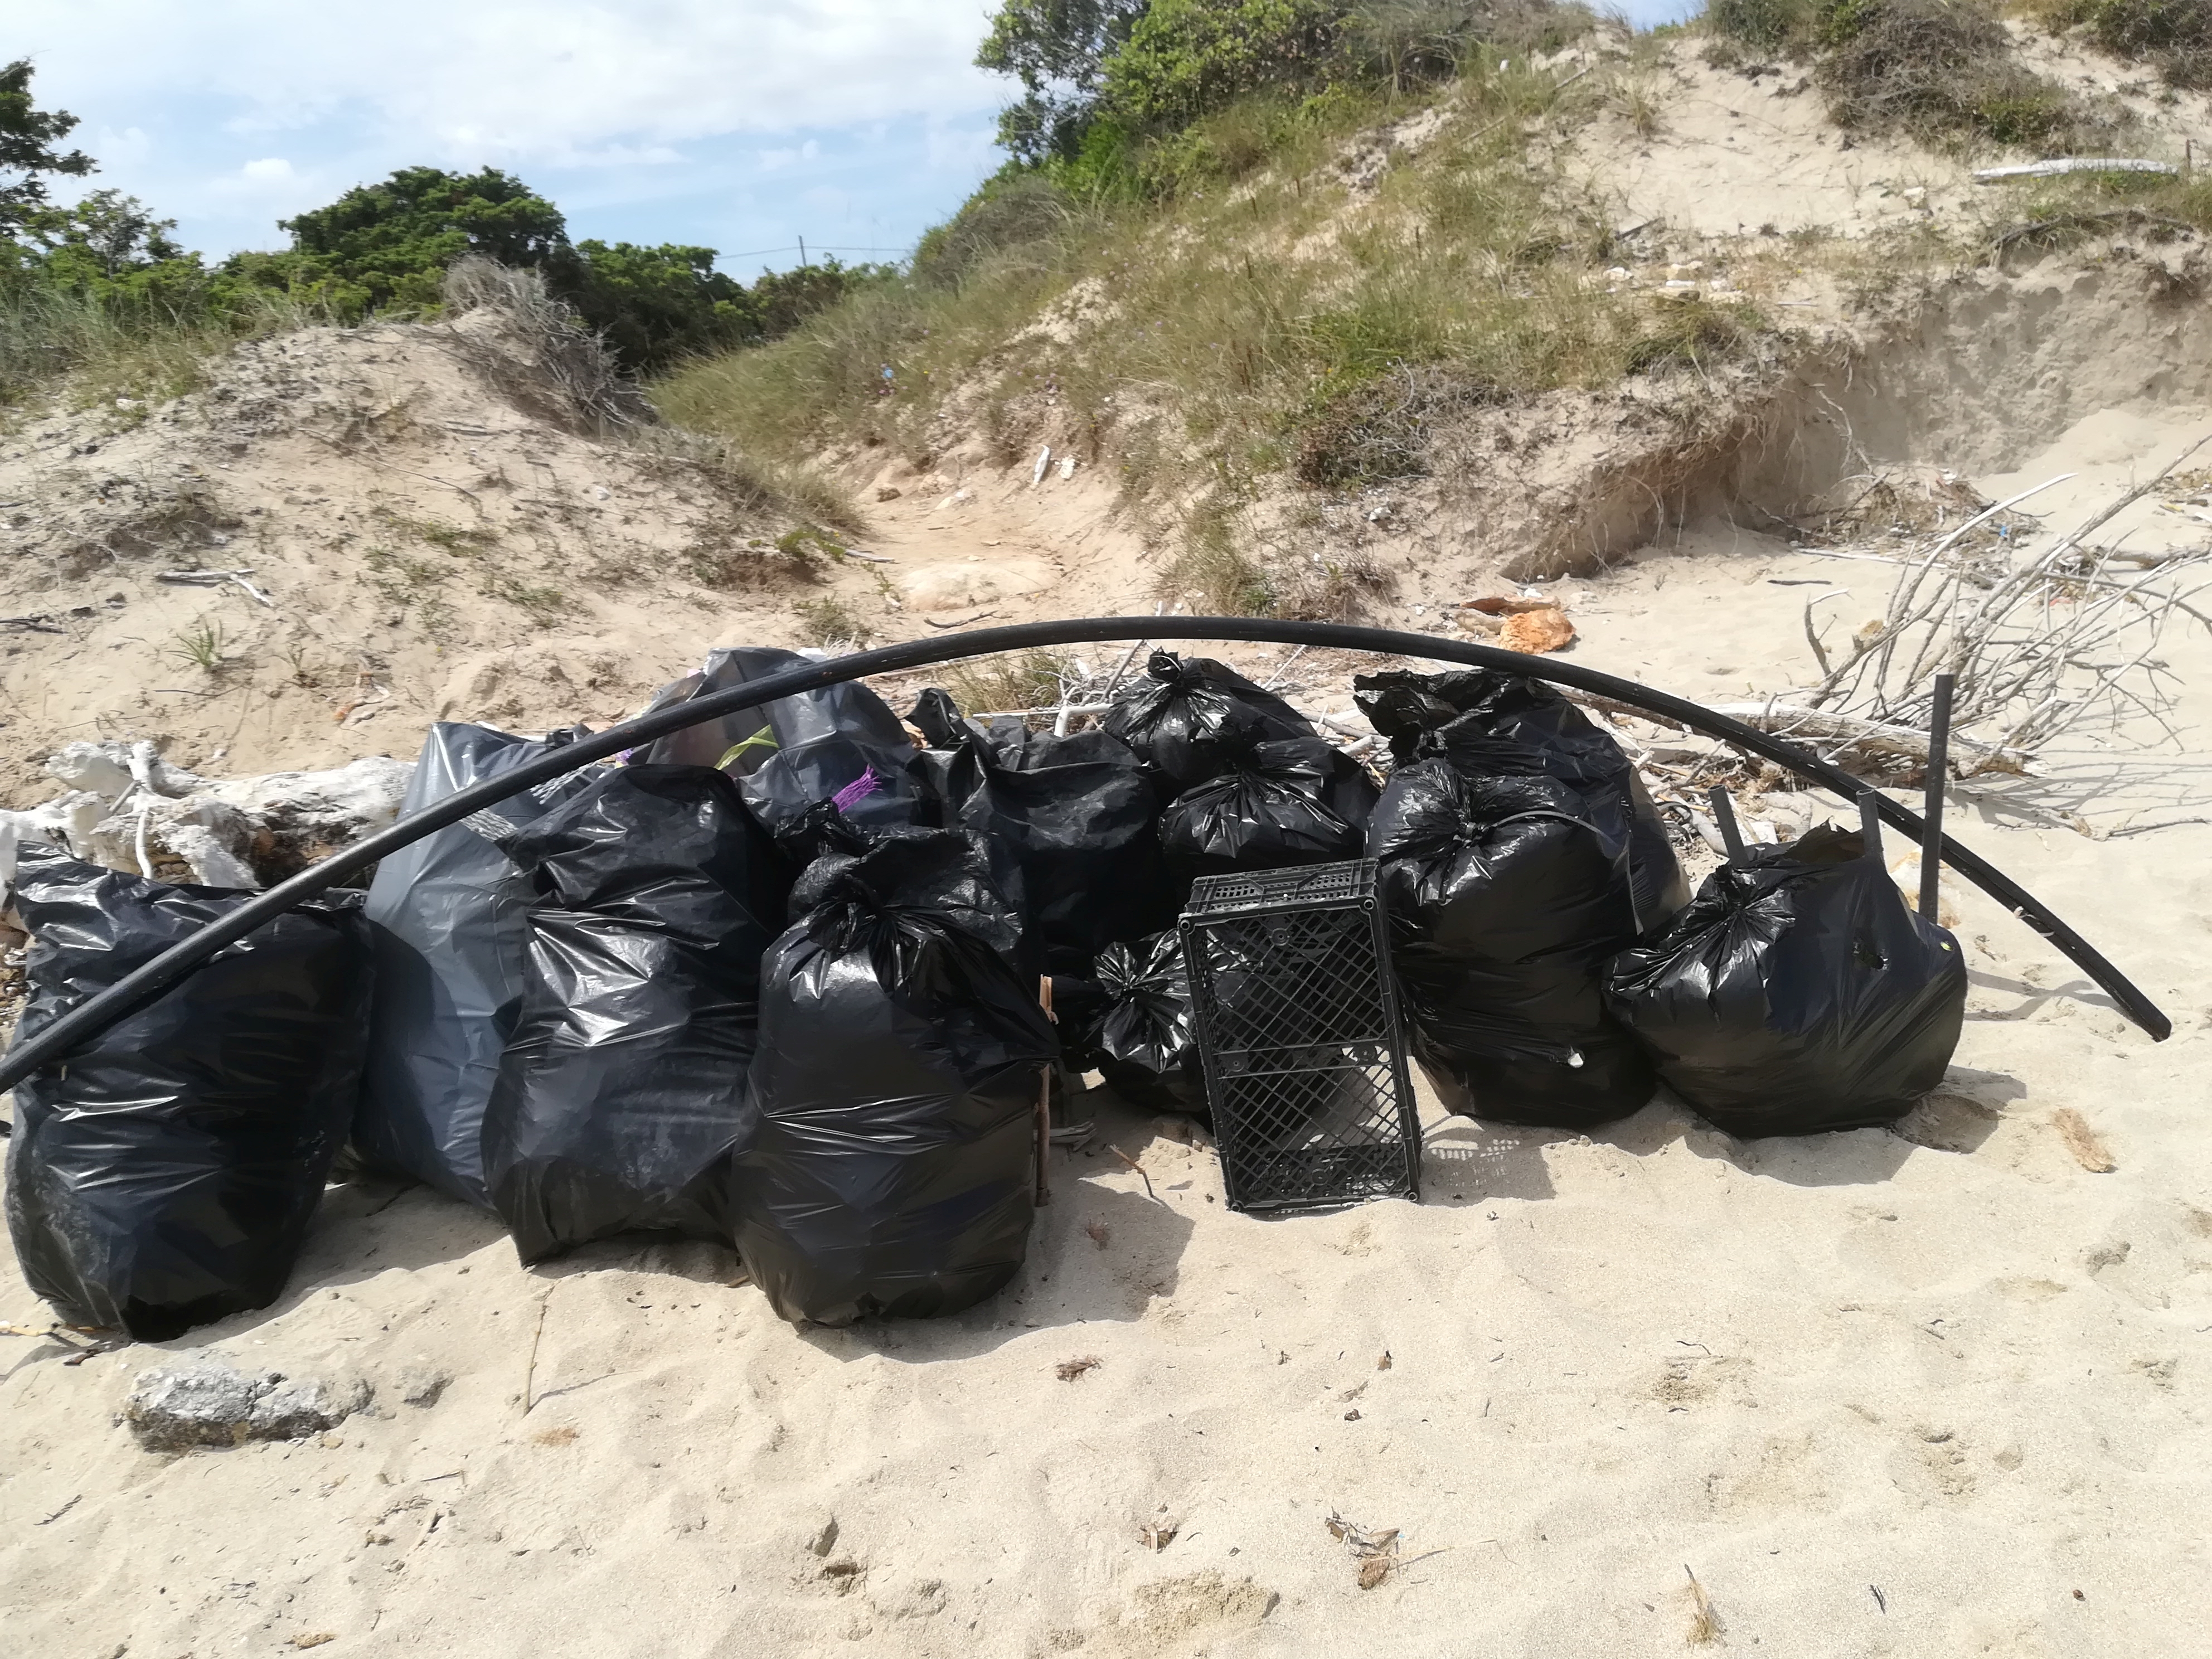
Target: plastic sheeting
column 623, row 1089
column 452, row 949
column 165, row 1175
column 889, row 1166
column 1798, row 993
column 1175, row 717
column 1494, row 724
column 1145, row 1037
column 789, row 754
column 1075, row 815
column 1289, row 801
column 1505, row 905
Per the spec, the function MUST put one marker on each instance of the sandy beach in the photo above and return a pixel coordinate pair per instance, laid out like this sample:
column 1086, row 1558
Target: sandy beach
column 1936, row 1391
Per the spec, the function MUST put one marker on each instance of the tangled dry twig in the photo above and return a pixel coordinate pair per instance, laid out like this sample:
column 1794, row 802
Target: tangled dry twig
column 2039, row 646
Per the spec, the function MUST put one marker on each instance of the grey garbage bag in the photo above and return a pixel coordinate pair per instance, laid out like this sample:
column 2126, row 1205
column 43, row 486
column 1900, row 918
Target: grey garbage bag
column 446, row 918
column 164, row 1175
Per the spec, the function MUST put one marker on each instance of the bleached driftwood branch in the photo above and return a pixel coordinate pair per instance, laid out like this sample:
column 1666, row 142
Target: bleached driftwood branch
column 2073, row 164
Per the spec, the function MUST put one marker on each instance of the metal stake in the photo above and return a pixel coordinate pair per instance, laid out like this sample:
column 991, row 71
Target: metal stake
column 1724, row 815
column 1932, row 810
column 1870, row 822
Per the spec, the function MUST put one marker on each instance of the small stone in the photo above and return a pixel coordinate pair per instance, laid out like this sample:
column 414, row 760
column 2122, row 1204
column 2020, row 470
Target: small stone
column 825, row 1540
column 202, row 1402
column 889, row 492
column 207, row 1401
column 421, row 1385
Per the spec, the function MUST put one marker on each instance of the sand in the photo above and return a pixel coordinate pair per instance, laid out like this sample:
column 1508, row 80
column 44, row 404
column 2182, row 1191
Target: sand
column 1934, row 1391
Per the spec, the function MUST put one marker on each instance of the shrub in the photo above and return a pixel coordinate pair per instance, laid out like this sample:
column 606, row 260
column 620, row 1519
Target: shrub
column 2176, row 35
column 1940, row 69
column 1767, row 26
column 1018, row 209
column 1186, row 57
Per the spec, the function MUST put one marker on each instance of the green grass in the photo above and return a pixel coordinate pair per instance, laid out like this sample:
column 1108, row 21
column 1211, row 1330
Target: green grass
column 203, row 645
column 830, row 621
column 2059, row 213
column 1003, row 683
column 57, row 346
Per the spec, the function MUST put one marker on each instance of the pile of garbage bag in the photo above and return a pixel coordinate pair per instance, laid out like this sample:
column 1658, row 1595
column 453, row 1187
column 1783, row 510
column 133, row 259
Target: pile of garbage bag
column 799, row 980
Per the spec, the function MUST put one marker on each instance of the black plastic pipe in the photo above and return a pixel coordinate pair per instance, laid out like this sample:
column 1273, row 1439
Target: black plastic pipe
column 133, row 991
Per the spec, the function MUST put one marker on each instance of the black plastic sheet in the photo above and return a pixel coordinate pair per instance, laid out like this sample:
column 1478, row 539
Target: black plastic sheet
column 1798, row 993
column 165, row 1174
column 889, row 1164
column 1074, row 815
column 446, row 919
column 623, row 1089
column 1496, row 725
column 1289, row 801
column 841, row 743
column 1177, row 715
column 1506, row 905
column 1145, row 1035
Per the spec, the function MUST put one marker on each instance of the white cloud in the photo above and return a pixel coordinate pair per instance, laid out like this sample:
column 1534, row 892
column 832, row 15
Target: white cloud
column 271, row 168
column 776, row 161
column 518, row 81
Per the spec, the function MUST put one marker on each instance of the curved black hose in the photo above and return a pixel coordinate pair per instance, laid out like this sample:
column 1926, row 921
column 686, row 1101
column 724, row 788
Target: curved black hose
column 133, row 991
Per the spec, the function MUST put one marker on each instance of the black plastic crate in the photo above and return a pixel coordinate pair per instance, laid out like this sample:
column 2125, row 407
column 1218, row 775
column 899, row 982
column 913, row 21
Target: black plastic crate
column 1298, row 1027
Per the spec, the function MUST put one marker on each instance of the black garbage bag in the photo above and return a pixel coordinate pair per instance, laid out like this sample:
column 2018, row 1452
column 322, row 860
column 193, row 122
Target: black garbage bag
column 165, row 1174
column 1176, row 715
column 1145, row 1036
column 1074, row 815
column 1293, row 801
column 622, row 1088
column 446, row 919
column 887, row 1167
column 1505, row 905
column 1494, row 724
column 1798, row 993
column 841, row 742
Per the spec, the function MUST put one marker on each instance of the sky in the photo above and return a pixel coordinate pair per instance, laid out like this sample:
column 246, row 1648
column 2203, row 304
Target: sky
column 743, row 126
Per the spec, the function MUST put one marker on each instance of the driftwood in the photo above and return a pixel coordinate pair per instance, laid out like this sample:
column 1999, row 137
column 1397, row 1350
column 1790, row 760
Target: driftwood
column 1828, row 728
column 2073, row 164
column 216, row 578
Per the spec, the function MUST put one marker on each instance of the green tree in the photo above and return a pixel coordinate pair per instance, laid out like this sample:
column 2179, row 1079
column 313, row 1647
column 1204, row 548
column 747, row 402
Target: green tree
column 1057, row 49
column 654, row 305
column 107, row 235
column 1185, row 57
column 28, row 135
column 388, row 244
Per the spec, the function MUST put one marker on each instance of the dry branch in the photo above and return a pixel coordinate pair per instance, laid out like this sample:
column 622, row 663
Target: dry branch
column 2040, row 647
